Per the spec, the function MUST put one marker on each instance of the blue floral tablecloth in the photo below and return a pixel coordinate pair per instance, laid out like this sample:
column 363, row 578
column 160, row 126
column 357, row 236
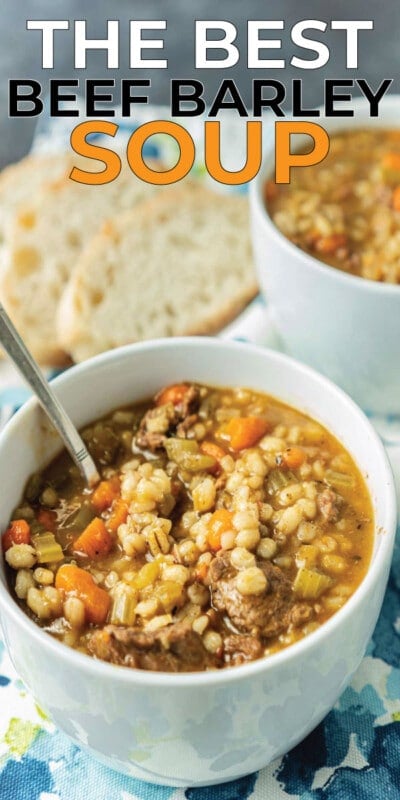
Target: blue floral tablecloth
column 353, row 754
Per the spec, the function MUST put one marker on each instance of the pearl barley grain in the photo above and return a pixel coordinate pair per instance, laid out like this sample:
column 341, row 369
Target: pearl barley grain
column 267, row 548
column 251, row 581
column 21, row 556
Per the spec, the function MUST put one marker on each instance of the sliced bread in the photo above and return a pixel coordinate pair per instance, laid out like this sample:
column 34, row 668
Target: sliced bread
column 43, row 243
column 180, row 264
column 20, row 182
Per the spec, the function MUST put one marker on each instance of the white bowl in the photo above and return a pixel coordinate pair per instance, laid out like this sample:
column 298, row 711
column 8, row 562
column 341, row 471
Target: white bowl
column 209, row 727
column 346, row 327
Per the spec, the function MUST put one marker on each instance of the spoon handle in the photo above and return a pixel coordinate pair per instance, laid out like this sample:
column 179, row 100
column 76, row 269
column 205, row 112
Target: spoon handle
column 20, row 355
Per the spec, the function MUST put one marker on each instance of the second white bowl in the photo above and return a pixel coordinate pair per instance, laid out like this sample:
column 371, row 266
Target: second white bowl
column 346, row 327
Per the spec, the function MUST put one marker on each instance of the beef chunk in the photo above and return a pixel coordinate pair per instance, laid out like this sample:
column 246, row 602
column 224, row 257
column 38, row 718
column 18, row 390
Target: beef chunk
column 300, row 614
column 329, row 504
column 190, row 403
column 241, row 648
column 267, row 614
column 154, row 426
column 168, row 420
column 176, row 648
column 184, row 426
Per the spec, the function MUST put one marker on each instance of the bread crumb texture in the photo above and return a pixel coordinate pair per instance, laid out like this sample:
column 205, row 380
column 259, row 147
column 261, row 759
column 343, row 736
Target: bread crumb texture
column 178, row 264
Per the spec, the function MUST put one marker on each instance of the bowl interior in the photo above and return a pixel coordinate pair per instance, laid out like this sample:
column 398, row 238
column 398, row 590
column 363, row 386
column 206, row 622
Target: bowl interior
column 136, row 372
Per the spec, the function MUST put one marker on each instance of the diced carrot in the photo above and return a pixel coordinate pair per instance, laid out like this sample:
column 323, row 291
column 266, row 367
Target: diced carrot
column 174, row 394
column 271, row 191
column 396, row 198
column 47, row 518
column 18, row 532
column 201, row 572
column 293, row 457
column 214, row 450
column 391, row 161
column 75, row 581
column 311, row 236
column 95, row 541
column 118, row 515
column 327, row 245
column 220, row 522
column 244, row 432
column 105, row 493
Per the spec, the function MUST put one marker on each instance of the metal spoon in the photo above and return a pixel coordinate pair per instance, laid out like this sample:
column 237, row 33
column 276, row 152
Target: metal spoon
column 29, row 369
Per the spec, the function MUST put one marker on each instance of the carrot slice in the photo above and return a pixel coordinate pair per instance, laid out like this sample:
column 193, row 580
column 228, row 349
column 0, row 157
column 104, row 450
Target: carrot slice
column 244, row 432
column 391, row 161
column 18, row 532
column 105, row 493
column 293, row 457
column 201, row 571
column 75, row 581
column 95, row 541
column 118, row 515
column 396, row 199
column 220, row 522
column 212, row 449
column 174, row 394
column 328, row 245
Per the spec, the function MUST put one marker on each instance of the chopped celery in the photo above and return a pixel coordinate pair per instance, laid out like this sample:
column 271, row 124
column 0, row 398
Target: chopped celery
column 197, row 462
column 46, row 547
column 309, row 584
column 82, row 517
column 278, row 479
column 124, row 604
column 186, row 453
column 176, row 448
column 339, row 479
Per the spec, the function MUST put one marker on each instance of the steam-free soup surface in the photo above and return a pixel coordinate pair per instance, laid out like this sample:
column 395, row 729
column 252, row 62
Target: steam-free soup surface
column 345, row 210
column 226, row 527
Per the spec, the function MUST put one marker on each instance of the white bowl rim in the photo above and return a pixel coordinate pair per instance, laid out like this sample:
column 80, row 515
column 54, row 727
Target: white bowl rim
column 238, row 673
column 255, row 192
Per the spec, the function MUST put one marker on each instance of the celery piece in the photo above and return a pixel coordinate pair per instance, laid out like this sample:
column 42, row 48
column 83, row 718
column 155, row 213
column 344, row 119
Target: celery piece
column 309, row 584
column 197, row 462
column 47, row 549
column 278, row 479
column 339, row 479
column 186, row 453
column 124, row 604
column 82, row 517
column 176, row 448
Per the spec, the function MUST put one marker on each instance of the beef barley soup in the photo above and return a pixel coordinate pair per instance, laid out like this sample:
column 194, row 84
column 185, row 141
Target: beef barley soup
column 345, row 211
column 226, row 527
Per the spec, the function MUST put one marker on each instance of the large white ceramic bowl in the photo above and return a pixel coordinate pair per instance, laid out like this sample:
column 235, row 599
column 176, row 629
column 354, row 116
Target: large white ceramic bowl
column 346, row 327
column 209, row 727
